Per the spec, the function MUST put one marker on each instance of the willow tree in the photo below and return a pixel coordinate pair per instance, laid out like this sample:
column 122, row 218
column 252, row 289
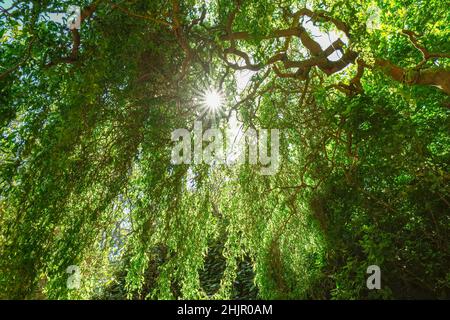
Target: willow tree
column 87, row 179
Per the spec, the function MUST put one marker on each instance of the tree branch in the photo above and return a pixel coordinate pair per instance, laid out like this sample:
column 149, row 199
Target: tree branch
column 86, row 13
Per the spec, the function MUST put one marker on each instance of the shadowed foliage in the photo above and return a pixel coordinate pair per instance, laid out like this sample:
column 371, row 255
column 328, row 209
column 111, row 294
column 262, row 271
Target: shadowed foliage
column 358, row 89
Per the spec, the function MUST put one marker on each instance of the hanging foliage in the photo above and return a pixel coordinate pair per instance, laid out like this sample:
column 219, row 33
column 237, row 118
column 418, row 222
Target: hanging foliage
column 92, row 205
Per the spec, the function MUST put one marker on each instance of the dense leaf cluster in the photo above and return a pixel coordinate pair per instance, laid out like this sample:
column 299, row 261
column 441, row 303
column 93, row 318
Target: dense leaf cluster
column 86, row 176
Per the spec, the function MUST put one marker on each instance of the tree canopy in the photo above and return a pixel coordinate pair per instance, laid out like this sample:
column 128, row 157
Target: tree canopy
column 358, row 89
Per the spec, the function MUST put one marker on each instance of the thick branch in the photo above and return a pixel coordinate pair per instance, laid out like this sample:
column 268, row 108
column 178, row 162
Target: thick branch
column 432, row 77
column 435, row 77
column 86, row 13
column 318, row 56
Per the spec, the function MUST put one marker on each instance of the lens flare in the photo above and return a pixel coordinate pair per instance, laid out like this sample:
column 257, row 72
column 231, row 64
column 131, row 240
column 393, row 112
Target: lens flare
column 212, row 100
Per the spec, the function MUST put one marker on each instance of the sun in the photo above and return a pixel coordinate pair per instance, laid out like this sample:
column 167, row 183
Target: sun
column 212, row 100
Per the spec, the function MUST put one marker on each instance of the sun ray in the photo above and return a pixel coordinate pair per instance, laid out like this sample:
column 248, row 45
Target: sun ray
column 212, row 102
